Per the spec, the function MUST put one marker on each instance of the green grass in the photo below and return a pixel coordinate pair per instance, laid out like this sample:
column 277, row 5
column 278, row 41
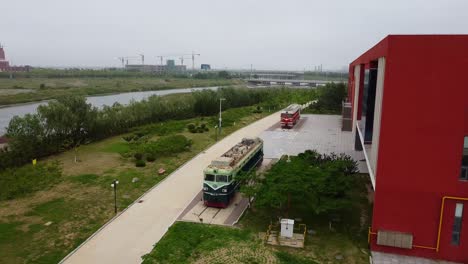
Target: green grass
column 55, row 87
column 186, row 241
column 190, row 242
column 117, row 147
column 82, row 200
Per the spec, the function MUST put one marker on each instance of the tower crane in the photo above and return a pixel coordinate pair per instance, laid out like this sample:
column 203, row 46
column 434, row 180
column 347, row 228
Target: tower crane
column 142, row 59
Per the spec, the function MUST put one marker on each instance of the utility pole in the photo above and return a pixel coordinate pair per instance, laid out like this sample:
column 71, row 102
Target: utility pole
column 251, row 71
column 220, row 119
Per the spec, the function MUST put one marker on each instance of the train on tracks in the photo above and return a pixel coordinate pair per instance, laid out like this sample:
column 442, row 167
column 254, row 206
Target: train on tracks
column 220, row 185
column 290, row 115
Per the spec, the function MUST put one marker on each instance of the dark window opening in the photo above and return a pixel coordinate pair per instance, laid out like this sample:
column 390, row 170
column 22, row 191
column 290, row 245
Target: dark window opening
column 457, row 224
column 221, row 178
column 368, row 101
column 464, row 166
column 209, row 177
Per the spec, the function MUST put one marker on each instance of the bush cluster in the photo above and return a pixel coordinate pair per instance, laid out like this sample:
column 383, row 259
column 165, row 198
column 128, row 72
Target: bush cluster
column 197, row 128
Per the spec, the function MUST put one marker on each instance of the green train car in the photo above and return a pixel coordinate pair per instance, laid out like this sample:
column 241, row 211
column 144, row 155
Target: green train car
column 220, row 185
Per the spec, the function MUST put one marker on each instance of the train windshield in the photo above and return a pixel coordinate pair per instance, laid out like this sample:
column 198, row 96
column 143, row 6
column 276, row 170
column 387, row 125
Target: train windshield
column 221, row 178
column 209, row 177
column 286, row 115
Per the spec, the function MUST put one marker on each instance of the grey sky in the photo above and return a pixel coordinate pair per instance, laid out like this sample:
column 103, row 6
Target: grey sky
column 269, row 34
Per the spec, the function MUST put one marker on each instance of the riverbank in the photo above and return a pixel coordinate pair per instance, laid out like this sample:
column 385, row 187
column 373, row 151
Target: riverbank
column 43, row 227
column 24, row 90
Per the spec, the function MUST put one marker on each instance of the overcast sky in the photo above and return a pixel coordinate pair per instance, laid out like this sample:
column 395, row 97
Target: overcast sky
column 269, row 34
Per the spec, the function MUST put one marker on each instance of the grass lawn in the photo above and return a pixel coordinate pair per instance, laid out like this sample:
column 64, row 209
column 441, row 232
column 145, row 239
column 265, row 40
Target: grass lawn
column 345, row 242
column 23, row 90
column 44, row 226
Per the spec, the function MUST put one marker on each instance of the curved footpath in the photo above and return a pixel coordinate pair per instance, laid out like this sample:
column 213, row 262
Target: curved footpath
column 134, row 232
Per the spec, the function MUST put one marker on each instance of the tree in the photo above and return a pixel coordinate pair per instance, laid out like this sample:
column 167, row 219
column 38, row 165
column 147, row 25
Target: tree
column 330, row 97
column 310, row 181
column 224, row 75
column 69, row 120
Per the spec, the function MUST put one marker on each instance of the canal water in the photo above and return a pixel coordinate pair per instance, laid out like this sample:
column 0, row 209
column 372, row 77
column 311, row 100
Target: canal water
column 8, row 112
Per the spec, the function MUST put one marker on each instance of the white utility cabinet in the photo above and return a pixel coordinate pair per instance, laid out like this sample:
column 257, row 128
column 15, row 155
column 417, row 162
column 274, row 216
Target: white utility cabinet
column 287, row 227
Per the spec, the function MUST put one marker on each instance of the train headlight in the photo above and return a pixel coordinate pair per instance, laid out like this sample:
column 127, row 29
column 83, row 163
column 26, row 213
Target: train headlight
column 224, row 190
column 205, row 188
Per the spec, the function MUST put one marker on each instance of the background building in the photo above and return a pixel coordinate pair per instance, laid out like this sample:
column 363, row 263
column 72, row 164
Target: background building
column 409, row 104
column 5, row 65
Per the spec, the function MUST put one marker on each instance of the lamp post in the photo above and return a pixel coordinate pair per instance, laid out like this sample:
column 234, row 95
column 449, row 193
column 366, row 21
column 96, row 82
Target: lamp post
column 220, row 119
column 114, row 185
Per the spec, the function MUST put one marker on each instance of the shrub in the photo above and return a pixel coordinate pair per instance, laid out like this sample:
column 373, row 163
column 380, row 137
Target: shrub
column 150, row 158
column 191, row 126
column 203, row 125
column 128, row 138
column 166, row 145
column 42, row 86
column 138, row 156
column 200, row 130
column 194, row 130
column 140, row 163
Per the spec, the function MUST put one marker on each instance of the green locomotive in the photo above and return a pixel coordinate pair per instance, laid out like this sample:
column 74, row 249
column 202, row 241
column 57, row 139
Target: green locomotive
column 220, row 185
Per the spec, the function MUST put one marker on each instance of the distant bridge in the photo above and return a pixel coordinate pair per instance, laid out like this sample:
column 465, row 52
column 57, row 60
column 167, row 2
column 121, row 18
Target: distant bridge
column 311, row 83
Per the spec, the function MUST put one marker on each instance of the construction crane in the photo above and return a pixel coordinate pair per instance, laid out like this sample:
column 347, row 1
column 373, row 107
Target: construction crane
column 161, row 57
column 122, row 60
column 142, row 59
column 193, row 59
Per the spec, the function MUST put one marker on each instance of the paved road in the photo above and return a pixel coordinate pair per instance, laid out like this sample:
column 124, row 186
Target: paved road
column 135, row 231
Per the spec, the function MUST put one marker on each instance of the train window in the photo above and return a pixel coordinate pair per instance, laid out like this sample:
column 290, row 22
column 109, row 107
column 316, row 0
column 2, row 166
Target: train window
column 286, row 115
column 209, row 177
column 221, row 178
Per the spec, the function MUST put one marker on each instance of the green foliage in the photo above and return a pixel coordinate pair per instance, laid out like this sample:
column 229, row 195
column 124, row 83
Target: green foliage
column 330, row 98
column 167, row 145
column 224, row 75
column 138, row 156
column 311, row 181
column 28, row 179
column 69, row 121
column 150, row 158
column 140, row 163
column 184, row 241
column 287, row 258
column 191, row 126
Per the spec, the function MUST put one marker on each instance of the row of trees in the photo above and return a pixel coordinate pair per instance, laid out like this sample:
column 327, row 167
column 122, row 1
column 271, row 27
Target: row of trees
column 69, row 122
column 330, row 98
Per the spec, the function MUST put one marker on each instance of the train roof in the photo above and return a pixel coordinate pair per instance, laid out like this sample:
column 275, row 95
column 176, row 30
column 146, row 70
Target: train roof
column 291, row 109
column 235, row 154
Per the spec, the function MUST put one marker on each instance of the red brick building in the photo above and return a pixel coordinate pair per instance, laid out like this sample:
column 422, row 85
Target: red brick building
column 409, row 99
column 5, row 65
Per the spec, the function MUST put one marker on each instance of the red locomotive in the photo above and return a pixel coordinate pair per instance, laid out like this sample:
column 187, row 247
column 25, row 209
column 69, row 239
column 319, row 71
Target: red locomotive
column 290, row 115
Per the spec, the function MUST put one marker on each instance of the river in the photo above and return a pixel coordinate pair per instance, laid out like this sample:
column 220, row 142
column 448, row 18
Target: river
column 8, row 112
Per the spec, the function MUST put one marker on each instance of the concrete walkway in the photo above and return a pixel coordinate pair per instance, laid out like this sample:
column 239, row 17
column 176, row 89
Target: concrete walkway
column 134, row 233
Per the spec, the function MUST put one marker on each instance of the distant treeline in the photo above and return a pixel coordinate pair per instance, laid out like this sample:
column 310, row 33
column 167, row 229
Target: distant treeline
column 107, row 73
column 69, row 121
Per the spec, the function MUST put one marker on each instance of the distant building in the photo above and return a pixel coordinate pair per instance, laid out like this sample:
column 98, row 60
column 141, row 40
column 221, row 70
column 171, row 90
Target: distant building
column 169, row 67
column 205, row 67
column 3, row 142
column 170, row 63
column 5, row 65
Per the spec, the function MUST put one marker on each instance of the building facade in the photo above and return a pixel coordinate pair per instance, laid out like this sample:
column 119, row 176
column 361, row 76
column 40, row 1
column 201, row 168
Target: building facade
column 409, row 114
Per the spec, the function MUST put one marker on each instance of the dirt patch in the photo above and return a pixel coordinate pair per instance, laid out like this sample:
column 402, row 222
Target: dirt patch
column 95, row 162
column 19, row 207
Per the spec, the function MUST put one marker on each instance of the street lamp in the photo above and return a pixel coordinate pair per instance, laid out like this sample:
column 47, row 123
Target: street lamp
column 114, row 185
column 220, row 119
